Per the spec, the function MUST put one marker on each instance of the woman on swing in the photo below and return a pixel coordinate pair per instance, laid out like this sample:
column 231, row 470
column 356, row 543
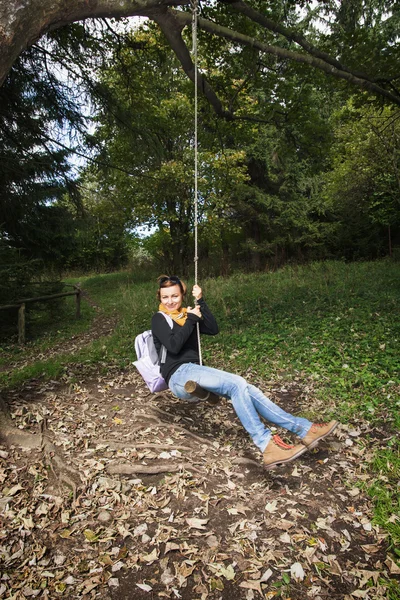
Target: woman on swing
column 182, row 365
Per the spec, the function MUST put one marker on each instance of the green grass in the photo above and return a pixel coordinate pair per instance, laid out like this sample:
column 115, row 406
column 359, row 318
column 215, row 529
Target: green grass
column 385, row 492
column 332, row 326
column 335, row 325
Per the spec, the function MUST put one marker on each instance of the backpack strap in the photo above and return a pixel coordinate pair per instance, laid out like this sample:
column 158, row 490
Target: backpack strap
column 163, row 351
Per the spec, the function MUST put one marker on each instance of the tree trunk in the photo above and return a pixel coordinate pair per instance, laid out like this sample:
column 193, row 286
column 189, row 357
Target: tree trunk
column 23, row 22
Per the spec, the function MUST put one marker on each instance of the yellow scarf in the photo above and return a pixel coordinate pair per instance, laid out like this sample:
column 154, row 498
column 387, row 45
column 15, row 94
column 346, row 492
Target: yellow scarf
column 179, row 316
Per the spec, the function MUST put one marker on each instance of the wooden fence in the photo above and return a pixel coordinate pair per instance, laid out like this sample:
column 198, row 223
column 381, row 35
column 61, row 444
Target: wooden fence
column 20, row 305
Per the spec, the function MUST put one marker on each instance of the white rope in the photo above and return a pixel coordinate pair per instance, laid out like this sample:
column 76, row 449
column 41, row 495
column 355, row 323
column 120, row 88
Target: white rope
column 196, row 202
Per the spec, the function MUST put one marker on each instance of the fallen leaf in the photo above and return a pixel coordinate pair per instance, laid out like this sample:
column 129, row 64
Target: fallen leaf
column 394, row 568
column 295, row 472
column 212, row 541
column 271, row 506
column 164, row 455
column 283, row 524
column 297, row 571
column 12, row 491
column 360, row 593
column 184, row 569
column 144, row 587
column 216, row 584
column 66, row 533
column 171, row 546
column 117, row 566
column 252, row 585
column 371, row 548
column 140, row 529
column 197, row 523
column 268, row 573
column 228, row 573
column 91, row 536
column 150, row 558
column 222, row 571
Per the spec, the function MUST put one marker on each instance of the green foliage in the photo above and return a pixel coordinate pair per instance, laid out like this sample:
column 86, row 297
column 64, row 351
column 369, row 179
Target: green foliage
column 20, row 279
column 367, row 35
column 15, row 273
column 44, row 110
column 148, row 135
column 256, row 179
column 34, row 171
column 101, row 241
column 363, row 187
column 272, row 188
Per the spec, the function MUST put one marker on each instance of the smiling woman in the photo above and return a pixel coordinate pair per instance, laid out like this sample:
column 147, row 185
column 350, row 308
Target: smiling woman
column 182, row 364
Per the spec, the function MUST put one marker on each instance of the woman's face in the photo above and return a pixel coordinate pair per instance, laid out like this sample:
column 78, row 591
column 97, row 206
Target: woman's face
column 171, row 297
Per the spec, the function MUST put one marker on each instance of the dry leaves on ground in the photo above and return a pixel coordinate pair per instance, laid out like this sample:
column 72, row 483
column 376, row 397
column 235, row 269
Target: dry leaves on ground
column 174, row 503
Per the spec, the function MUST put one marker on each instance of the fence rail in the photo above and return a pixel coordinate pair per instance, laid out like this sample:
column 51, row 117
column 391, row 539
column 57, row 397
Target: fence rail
column 21, row 304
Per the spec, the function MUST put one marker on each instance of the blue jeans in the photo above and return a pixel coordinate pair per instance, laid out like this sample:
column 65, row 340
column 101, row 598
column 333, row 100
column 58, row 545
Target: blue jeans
column 248, row 401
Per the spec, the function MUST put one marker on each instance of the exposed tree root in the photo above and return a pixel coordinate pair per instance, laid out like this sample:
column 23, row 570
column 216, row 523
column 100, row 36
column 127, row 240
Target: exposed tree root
column 132, row 445
column 12, row 436
column 60, row 469
column 164, row 396
column 131, row 469
column 198, row 439
column 242, row 460
column 176, row 427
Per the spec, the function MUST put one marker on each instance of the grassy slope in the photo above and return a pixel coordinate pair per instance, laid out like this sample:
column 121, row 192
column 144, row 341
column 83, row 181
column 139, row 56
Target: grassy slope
column 331, row 326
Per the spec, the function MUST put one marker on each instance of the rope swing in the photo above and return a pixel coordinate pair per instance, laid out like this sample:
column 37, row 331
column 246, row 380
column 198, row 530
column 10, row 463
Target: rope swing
column 192, row 387
column 194, row 51
column 195, row 7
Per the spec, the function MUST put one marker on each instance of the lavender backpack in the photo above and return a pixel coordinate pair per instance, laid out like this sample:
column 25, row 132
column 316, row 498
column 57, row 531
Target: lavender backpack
column 148, row 361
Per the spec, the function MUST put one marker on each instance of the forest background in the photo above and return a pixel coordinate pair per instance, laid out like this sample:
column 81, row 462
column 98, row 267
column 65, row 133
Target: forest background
column 97, row 148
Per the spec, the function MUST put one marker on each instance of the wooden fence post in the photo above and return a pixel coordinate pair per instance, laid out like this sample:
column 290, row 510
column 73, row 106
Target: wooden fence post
column 78, row 303
column 21, row 324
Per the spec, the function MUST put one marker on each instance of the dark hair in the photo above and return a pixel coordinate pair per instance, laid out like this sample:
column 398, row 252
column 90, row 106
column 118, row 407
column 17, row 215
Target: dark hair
column 165, row 281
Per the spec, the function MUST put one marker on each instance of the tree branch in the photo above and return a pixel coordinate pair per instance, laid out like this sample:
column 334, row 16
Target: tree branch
column 229, row 34
column 171, row 25
column 290, row 35
column 22, row 24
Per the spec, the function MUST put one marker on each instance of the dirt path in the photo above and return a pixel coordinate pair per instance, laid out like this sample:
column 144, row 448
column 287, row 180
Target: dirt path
column 99, row 327
column 212, row 525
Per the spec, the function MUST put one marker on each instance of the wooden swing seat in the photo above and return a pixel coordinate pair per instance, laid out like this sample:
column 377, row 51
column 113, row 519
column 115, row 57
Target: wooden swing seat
column 193, row 388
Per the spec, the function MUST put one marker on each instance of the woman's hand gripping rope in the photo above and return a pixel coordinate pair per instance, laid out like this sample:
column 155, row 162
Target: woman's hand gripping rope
column 197, row 294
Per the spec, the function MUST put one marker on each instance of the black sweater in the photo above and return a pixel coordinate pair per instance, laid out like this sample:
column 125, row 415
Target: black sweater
column 181, row 341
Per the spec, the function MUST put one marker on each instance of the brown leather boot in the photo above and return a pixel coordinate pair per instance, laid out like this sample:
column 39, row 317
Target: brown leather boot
column 317, row 432
column 278, row 452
